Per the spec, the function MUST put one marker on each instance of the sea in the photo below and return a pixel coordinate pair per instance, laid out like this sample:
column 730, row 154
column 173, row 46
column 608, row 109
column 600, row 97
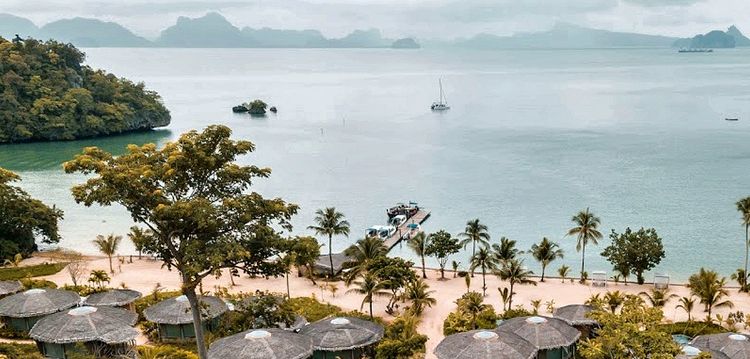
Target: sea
column 638, row 136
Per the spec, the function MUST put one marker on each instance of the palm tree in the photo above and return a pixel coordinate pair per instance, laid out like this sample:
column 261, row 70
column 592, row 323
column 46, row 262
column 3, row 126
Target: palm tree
column 741, row 279
column 99, row 277
column 369, row 287
column 614, row 300
column 472, row 303
column 687, row 304
column 418, row 244
column 361, row 254
column 586, row 230
column 563, row 272
column 418, row 293
column 108, row 246
column 709, row 288
column 329, row 222
column 485, row 261
column 514, row 272
column 743, row 206
column 506, row 251
column 475, row 232
column 658, row 297
column 545, row 252
column 139, row 237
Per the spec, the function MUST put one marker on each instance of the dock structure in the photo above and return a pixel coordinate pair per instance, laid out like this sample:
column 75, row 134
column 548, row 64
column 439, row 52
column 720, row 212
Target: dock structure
column 403, row 231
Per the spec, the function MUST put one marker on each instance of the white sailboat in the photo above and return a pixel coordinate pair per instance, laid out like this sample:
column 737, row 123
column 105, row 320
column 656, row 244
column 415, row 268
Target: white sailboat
column 442, row 104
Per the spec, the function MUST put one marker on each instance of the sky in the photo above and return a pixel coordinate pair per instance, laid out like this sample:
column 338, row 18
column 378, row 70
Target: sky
column 424, row 19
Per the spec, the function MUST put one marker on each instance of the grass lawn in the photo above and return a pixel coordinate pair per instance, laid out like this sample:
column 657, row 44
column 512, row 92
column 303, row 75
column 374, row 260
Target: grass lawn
column 39, row 270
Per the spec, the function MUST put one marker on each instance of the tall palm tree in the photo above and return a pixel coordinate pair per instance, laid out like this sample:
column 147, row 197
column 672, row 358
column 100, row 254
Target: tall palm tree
column 108, row 246
column 485, row 261
column 514, row 272
column 586, row 230
column 743, row 206
column 657, row 297
column 545, row 252
column 329, row 222
column 475, row 232
column 709, row 288
column 418, row 293
column 419, row 244
column 139, row 237
column 370, row 287
column 687, row 304
column 361, row 254
column 506, row 250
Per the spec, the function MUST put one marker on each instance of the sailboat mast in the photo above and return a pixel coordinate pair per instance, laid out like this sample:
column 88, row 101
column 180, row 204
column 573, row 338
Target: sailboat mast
column 440, row 82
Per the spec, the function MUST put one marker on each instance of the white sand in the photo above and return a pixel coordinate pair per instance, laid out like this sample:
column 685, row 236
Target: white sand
column 142, row 275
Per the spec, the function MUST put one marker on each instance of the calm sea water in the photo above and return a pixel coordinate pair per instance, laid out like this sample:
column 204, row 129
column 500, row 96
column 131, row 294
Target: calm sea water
column 532, row 137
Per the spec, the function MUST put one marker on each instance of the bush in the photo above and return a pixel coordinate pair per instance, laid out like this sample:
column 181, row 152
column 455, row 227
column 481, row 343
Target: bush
column 85, row 290
column 39, row 270
column 37, row 283
column 692, row 329
column 514, row 313
column 312, row 309
column 19, row 351
column 164, row 352
column 401, row 340
column 262, row 310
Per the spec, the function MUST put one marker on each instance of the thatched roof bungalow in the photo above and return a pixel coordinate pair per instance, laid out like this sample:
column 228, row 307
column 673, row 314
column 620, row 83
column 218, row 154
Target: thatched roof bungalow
column 343, row 337
column 106, row 331
column 577, row 316
column 122, row 298
column 8, row 287
column 262, row 344
column 485, row 344
column 21, row 311
column 175, row 318
column 551, row 336
column 732, row 345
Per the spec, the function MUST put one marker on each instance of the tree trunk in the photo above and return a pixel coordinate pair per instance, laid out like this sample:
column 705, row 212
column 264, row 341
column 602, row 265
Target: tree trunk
column 288, row 295
column 544, row 266
column 442, row 272
column 140, row 252
column 197, row 323
column 747, row 248
column 510, row 296
column 484, row 284
column 371, row 317
column 111, row 270
column 330, row 254
column 583, row 260
column 473, row 253
column 424, row 273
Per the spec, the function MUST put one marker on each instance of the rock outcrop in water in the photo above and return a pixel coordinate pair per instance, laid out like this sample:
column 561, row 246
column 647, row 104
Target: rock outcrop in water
column 46, row 94
column 716, row 39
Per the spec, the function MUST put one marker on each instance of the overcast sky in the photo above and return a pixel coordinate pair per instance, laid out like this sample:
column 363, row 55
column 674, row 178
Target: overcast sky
column 420, row 18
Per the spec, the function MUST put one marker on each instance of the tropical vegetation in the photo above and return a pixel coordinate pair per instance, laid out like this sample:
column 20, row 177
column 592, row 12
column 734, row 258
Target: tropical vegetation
column 586, row 230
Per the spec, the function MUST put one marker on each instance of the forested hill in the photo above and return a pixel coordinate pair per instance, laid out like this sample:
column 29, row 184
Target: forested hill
column 47, row 94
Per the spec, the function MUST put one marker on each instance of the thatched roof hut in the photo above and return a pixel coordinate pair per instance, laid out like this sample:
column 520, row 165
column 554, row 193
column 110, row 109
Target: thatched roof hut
column 177, row 311
column 9, row 287
column 323, row 263
column 343, row 334
column 113, row 298
column 262, row 344
column 732, row 345
column 542, row 332
column 36, row 302
column 691, row 352
column 85, row 324
column 575, row 314
column 484, row 344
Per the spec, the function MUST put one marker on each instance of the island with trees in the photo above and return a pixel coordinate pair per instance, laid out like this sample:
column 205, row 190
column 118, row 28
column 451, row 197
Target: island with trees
column 49, row 95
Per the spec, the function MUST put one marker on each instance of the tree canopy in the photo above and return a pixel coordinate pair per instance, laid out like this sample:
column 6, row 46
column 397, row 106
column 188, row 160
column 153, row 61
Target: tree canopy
column 24, row 219
column 47, row 94
column 635, row 252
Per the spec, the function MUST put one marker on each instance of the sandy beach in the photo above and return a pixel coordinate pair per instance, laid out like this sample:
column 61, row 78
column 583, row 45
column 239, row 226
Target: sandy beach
column 143, row 275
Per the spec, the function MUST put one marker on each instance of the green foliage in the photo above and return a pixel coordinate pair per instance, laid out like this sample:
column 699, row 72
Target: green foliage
column 85, row 290
column 24, row 219
column 10, row 333
column 29, row 283
column 252, row 311
column 47, row 94
column 515, row 312
column 19, row 351
column 545, row 252
column 442, row 246
column 329, row 222
column 108, row 246
column 692, row 328
column 709, row 288
column 394, row 274
column 471, row 313
column 401, row 340
column 586, row 229
column 257, row 107
column 305, row 251
column 164, row 352
column 312, row 309
column 634, row 252
column 38, row 270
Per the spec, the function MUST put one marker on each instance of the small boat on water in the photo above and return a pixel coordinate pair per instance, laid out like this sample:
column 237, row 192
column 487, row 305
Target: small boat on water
column 442, row 103
column 402, row 209
column 382, row 232
column 693, row 50
column 731, row 119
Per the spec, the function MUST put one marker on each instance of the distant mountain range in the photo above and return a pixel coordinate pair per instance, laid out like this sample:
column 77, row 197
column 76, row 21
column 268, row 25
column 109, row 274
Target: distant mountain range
column 213, row 31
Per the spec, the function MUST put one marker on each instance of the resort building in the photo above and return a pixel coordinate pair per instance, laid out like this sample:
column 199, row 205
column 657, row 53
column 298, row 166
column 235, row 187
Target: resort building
column 8, row 287
column 122, row 298
column 262, row 344
column 577, row 316
column 485, row 344
column 343, row 337
column 106, row 332
column 552, row 337
column 175, row 318
column 21, row 311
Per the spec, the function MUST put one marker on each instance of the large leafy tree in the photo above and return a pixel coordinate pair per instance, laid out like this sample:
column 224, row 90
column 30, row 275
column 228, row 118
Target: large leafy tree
column 24, row 219
column 637, row 251
column 305, row 251
column 586, row 230
column 545, row 252
column 395, row 273
column 475, row 233
column 743, row 206
column 442, row 245
column 196, row 200
column 329, row 222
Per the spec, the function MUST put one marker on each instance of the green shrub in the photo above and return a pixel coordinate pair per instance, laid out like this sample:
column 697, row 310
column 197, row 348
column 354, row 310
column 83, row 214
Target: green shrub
column 85, row 290
column 312, row 309
column 37, row 283
column 252, row 311
column 10, row 333
column 19, row 351
column 165, row 352
column 693, row 329
column 514, row 313
column 401, row 340
column 39, row 270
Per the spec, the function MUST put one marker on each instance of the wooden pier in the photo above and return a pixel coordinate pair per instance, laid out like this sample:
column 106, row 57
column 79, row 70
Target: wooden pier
column 403, row 230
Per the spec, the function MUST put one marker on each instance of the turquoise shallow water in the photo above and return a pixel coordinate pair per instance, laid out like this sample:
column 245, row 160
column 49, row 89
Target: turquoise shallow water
column 532, row 137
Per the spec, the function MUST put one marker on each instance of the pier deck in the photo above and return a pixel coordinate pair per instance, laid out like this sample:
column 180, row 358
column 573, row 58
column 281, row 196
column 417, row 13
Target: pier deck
column 402, row 230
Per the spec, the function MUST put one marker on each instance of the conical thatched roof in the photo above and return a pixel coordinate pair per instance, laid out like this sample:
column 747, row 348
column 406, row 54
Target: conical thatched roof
column 113, row 298
column 735, row 346
column 575, row 314
column 484, row 344
column 9, row 287
column 345, row 333
column 177, row 310
column 36, row 302
column 691, row 352
column 262, row 344
column 87, row 324
column 542, row 332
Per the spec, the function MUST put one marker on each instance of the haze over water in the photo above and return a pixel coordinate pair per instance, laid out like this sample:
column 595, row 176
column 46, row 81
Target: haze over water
column 637, row 135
